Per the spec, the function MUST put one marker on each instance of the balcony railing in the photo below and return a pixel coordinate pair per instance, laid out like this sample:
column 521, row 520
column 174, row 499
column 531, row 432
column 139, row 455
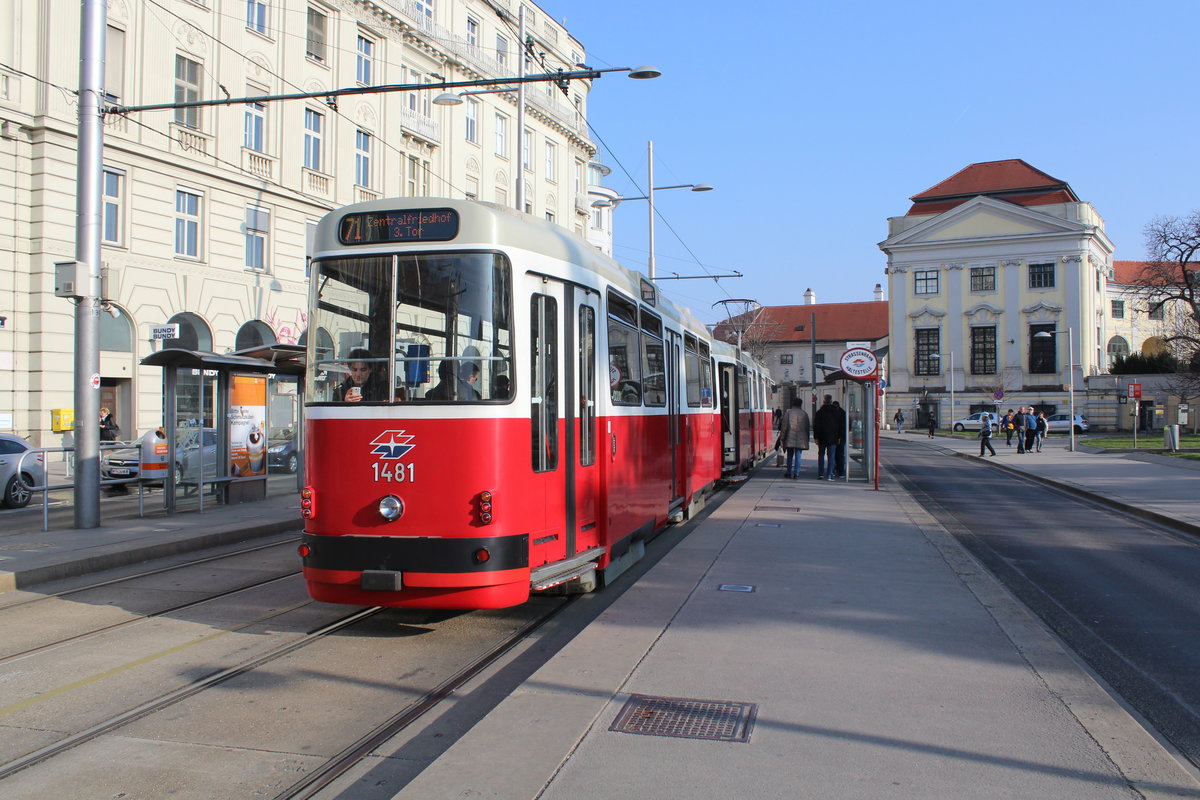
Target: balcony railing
column 258, row 164
column 316, row 183
column 189, row 140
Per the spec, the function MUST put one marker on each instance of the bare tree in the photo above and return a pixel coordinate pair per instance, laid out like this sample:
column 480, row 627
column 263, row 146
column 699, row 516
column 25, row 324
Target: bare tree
column 1170, row 281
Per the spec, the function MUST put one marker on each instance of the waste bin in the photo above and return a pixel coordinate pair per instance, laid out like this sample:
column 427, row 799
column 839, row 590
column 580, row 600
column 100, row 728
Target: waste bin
column 1171, row 438
column 154, row 456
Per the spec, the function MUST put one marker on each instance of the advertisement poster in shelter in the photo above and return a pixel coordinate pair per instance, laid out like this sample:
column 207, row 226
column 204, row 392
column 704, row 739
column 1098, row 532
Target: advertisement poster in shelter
column 247, row 426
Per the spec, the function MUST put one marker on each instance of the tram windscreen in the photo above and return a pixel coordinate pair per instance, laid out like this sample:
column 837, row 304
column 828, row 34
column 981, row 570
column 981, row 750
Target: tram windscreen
column 432, row 328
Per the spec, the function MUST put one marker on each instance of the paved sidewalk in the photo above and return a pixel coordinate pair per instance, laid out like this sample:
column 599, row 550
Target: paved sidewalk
column 883, row 660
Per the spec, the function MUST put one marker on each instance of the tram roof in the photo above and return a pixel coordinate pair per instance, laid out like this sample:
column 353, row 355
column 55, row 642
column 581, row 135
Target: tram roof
column 506, row 227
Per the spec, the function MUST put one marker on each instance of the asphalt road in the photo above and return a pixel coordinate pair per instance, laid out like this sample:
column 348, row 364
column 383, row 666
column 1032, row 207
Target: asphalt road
column 1122, row 593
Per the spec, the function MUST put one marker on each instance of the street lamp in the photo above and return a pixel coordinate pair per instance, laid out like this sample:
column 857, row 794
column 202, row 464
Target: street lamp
column 1070, row 332
column 649, row 197
column 938, row 356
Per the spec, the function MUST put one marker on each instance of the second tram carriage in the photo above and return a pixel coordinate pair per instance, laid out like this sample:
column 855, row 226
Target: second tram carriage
column 495, row 408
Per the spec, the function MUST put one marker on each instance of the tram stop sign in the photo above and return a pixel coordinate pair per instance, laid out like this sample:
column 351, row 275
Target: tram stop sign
column 1135, row 391
column 859, row 363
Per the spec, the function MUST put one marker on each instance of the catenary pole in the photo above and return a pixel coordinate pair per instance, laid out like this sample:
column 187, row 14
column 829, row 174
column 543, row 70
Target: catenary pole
column 93, row 23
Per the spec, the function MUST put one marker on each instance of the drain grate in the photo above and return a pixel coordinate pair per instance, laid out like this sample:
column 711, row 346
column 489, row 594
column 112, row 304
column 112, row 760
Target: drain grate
column 683, row 718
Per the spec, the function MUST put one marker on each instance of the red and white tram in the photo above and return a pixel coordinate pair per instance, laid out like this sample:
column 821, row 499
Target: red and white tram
column 494, row 407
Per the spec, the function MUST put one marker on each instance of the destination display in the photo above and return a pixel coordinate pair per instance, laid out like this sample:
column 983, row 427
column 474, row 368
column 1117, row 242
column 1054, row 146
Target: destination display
column 381, row 227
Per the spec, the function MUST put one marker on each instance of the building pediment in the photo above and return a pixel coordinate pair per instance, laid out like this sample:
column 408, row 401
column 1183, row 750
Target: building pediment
column 983, row 313
column 983, row 218
column 926, row 315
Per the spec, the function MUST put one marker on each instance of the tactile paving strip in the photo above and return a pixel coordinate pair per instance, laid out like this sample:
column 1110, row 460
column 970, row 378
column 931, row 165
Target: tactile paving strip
column 685, row 718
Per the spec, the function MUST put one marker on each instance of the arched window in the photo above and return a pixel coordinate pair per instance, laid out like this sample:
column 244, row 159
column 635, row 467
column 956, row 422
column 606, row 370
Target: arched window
column 254, row 334
column 194, row 333
column 324, row 344
column 1153, row 346
column 116, row 332
column 1117, row 348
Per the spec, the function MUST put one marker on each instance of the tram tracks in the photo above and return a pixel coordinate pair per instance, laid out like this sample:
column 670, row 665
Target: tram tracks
column 313, row 783
column 184, row 692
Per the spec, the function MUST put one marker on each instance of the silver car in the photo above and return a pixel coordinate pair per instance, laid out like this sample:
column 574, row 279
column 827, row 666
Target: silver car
column 18, row 488
column 1060, row 423
column 973, row 423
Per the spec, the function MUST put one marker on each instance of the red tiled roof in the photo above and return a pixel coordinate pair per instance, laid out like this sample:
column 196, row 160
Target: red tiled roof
column 835, row 322
column 1128, row 273
column 1012, row 180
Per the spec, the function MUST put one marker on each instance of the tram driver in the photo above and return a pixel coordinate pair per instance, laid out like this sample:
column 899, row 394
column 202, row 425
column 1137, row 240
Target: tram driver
column 358, row 385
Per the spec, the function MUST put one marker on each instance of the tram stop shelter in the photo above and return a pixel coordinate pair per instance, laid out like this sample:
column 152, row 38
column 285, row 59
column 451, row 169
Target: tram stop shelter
column 861, row 400
column 222, row 413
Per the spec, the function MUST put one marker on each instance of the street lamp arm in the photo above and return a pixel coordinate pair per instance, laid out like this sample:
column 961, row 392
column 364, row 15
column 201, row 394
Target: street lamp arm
column 560, row 78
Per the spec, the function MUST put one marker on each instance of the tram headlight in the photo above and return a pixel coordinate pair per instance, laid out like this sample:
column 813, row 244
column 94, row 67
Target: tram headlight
column 391, row 508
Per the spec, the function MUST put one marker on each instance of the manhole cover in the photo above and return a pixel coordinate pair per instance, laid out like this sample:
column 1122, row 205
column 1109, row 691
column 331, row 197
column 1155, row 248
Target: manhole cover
column 684, row 718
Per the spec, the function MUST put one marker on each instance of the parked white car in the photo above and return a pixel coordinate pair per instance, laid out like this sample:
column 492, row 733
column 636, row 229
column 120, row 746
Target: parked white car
column 972, row 422
column 1060, row 423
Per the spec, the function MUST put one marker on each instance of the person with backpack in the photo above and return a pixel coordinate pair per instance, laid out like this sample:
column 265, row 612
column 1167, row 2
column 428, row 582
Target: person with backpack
column 985, row 434
column 110, row 431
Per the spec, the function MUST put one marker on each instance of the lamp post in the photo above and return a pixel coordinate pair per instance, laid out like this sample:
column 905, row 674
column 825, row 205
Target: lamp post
column 1070, row 332
column 649, row 197
column 950, row 380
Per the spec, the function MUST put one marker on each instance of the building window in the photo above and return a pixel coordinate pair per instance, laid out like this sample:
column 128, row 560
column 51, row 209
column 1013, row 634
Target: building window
column 318, row 35
column 313, row 125
column 364, row 71
column 114, row 65
column 926, row 282
column 1042, row 359
column 1117, row 348
column 417, row 180
column 502, row 136
column 472, row 33
column 1041, row 276
column 256, row 16
column 254, row 136
column 188, row 206
column 928, row 345
column 786, row 358
column 258, row 227
column 1118, row 309
column 501, row 52
column 187, row 90
column 983, row 350
column 424, row 8
column 550, row 216
column 1155, row 312
column 362, row 158
column 526, row 147
column 472, row 120
column 114, row 202
column 551, row 158
column 983, row 279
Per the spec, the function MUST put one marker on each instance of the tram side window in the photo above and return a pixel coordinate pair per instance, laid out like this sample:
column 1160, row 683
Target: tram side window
column 543, row 382
column 624, row 352
column 654, row 376
column 691, row 366
column 706, row 376
column 353, row 316
column 587, row 386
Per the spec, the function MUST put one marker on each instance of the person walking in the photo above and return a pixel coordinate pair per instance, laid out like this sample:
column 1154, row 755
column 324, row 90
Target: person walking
column 1030, row 430
column 985, row 434
column 932, row 424
column 828, row 434
column 794, row 430
column 1007, row 425
column 899, row 420
column 1019, row 428
column 109, row 430
column 1043, row 427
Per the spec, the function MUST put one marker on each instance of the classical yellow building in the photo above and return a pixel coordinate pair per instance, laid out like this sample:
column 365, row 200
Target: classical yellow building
column 980, row 268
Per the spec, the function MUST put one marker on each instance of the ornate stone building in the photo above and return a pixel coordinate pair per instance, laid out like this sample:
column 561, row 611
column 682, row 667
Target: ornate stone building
column 979, row 266
column 207, row 211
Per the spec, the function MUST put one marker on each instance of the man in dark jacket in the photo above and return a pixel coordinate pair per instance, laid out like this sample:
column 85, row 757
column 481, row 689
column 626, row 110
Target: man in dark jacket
column 1030, row 430
column 828, row 430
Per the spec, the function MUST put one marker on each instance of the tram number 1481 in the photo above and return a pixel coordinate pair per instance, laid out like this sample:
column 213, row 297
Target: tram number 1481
column 395, row 473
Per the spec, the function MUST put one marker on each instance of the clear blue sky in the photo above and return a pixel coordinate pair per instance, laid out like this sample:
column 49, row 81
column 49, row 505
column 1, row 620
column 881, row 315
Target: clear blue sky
column 816, row 121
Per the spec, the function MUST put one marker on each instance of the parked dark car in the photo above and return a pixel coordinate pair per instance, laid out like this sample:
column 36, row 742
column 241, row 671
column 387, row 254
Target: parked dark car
column 281, row 450
column 17, row 488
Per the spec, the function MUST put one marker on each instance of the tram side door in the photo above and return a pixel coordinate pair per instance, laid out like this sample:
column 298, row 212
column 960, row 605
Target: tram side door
column 567, row 380
column 674, row 353
column 729, row 417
